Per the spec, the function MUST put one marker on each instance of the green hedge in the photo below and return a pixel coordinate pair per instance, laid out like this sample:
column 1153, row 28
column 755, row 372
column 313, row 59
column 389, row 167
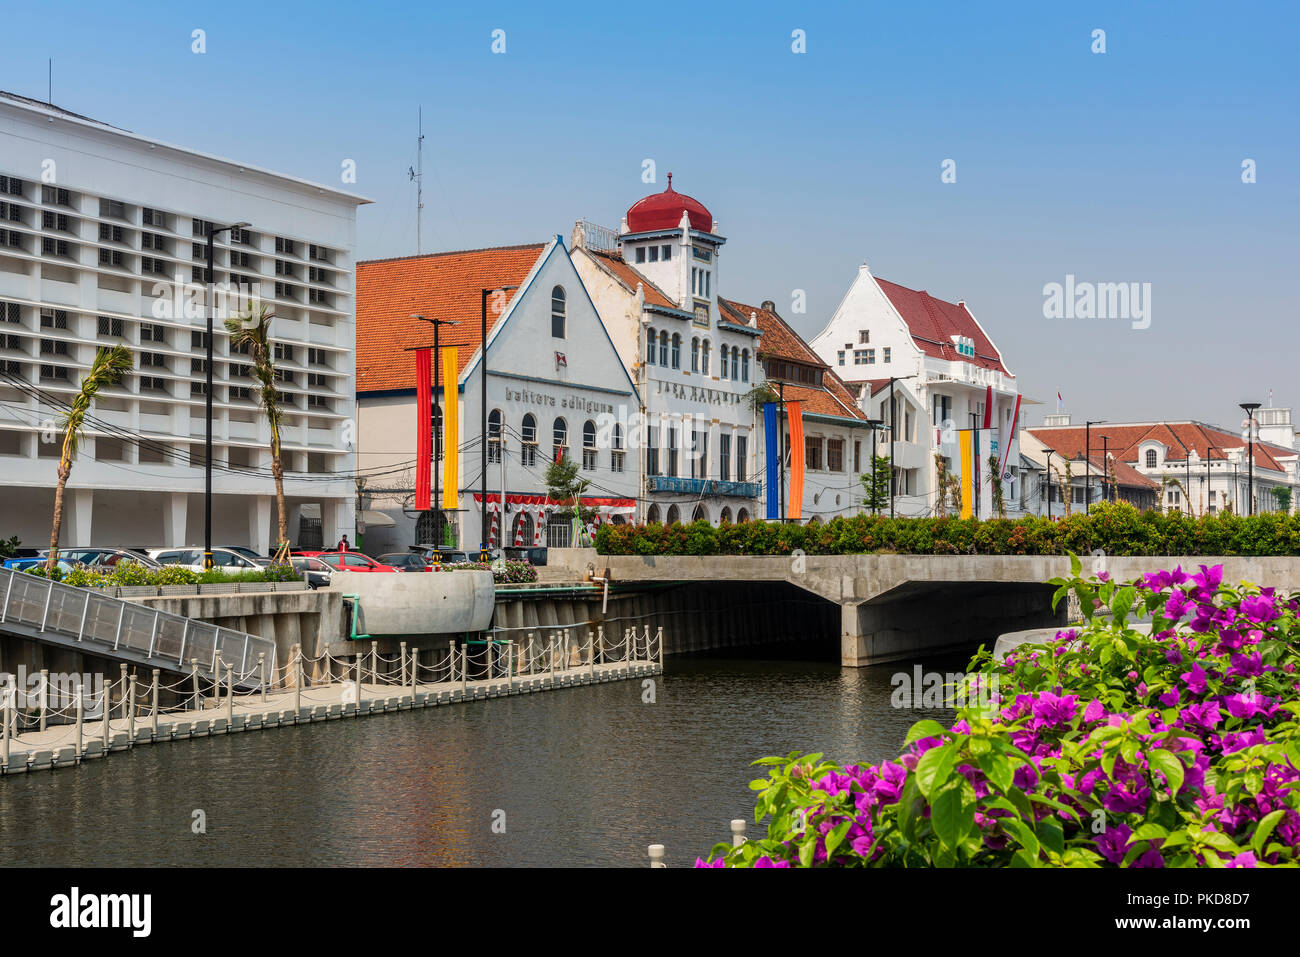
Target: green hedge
column 1115, row 528
column 136, row 573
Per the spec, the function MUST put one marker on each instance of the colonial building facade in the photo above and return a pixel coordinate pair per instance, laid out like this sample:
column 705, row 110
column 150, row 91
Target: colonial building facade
column 945, row 377
column 555, row 387
column 103, row 241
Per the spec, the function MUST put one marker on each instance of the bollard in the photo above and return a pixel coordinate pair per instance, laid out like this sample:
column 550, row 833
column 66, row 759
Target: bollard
column 153, row 716
column 261, row 675
column 81, row 717
column 230, row 697
column 374, row 664
column 297, row 682
column 4, row 726
column 45, row 696
column 130, row 713
column 510, row 665
column 530, row 653
column 591, row 655
column 402, row 653
column 659, row 641
column 451, row 662
column 194, row 670
column 647, row 642
column 415, row 671
column 488, row 653
column 551, row 658
column 657, row 855
column 356, row 708
column 737, row 831
column 122, row 694
column 464, row 670
column 104, row 706
column 600, row 635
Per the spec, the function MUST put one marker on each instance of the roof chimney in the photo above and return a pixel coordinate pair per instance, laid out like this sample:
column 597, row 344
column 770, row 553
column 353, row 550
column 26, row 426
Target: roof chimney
column 769, row 305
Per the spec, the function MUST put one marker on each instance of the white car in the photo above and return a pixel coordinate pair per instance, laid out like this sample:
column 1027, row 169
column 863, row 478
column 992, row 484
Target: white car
column 223, row 559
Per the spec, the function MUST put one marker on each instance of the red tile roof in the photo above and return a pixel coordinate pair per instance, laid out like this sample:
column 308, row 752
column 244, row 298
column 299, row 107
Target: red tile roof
column 780, row 341
column 614, row 264
column 933, row 322
column 445, row 285
column 1123, row 441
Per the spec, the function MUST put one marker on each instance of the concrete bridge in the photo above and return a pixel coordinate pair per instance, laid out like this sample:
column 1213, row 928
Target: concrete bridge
column 895, row 607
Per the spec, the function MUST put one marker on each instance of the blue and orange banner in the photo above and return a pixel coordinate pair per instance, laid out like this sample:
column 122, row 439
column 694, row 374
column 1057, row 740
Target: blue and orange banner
column 773, row 473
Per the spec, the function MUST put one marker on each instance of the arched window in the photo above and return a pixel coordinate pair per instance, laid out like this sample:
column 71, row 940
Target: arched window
column 559, row 439
column 744, row 366
column 663, row 348
column 699, row 515
column 437, row 432
column 1151, row 458
column 558, row 313
column 725, row 517
column 695, row 354
column 724, row 353
column 528, row 445
column 650, row 348
column 616, row 452
column 674, row 516
column 589, row 445
column 704, row 357
column 735, row 363
column 677, row 351
column 494, row 435
column 742, row 516
column 652, row 514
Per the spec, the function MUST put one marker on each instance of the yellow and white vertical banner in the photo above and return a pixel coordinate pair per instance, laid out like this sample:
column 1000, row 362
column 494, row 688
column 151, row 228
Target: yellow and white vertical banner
column 450, row 429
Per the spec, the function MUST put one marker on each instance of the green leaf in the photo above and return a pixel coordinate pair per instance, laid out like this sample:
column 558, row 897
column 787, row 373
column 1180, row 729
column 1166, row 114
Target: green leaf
column 951, row 819
column 1168, row 764
column 1265, row 828
column 836, row 836
column 1024, row 834
column 923, row 729
column 1148, row 832
column 1050, row 833
column 934, row 768
column 806, row 850
column 1122, row 602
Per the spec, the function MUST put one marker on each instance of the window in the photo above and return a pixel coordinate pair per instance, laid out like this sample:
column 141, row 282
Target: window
column 742, row 452
column 54, row 347
column 942, row 410
column 56, row 247
column 111, row 208
column 672, row 452
column 149, row 383
column 559, row 439
column 723, row 357
column 283, row 268
column 835, row 455
column 885, row 357
column 812, row 453
column 318, row 253
column 111, row 326
column 666, row 252
column 674, row 515
column 152, row 217
column 53, row 195
column 317, row 357
column 149, row 264
column 589, row 446
column 704, row 357
column 110, row 234
column 871, row 357
column 12, row 238
column 152, row 332
column 153, row 360
column 640, row 254
column 677, row 351
column 744, row 365
column 198, row 339
column 859, row 357
column 198, row 365
column 284, row 351
column 10, row 312
column 695, row 354
column 699, row 454
column 650, row 348
column 240, row 392
column 54, row 319
column 528, row 445
column 654, row 254
column 652, row 465
column 864, row 337
column 724, row 457
column 494, row 436
column 11, row 212
column 58, row 221
column 616, row 453
column 57, row 373
column 663, row 348
column 110, row 257
column 11, row 186
column 1151, row 458
column 557, row 313
column 240, row 236
column 840, row 355
column 283, row 245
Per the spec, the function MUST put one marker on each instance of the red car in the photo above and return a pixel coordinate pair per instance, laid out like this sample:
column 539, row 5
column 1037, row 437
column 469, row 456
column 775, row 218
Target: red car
column 349, row 561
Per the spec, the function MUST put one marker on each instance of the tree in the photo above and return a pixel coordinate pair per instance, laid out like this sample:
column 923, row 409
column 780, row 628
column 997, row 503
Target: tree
column 876, row 484
column 1282, row 495
column 995, row 484
column 566, row 486
column 250, row 333
column 110, row 365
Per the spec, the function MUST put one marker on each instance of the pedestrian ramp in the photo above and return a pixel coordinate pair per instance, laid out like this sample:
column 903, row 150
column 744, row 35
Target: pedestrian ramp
column 85, row 620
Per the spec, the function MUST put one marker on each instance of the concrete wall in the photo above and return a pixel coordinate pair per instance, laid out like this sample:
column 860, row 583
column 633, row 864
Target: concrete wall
column 414, row 603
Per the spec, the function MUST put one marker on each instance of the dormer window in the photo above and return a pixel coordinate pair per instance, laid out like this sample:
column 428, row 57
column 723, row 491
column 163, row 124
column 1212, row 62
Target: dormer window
column 640, row 254
column 1151, row 458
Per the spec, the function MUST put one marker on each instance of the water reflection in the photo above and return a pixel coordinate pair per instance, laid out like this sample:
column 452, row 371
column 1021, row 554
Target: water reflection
column 583, row 777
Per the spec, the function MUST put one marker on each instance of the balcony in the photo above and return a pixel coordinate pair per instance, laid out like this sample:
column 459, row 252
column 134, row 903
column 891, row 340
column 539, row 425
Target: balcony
column 692, row 486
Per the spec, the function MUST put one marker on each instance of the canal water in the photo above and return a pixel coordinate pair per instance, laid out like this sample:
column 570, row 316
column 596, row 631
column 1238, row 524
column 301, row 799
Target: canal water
column 580, row 777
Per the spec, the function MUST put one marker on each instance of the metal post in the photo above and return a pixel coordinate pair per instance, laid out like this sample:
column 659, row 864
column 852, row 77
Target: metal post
column 374, row 662
column 297, row 681
column 230, row 696
column 403, row 656
column 488, row 654
column 261, row 674
column 737, row 831
column 45, row 697
column 451, row 662
column 81, row 716
column 415, row 672
column 657, row 856
column 104, row 706
column 464, row 670
column 122, row 694
column 360, row 674
column 600, row 635
column 659, row 641
column 510, row 665
column 194, row 670
column 647, row 641
column 531, row 659
column 5, row 723
column 591, row 655
column 153, row 715
column 550, row 658
column 130, row 713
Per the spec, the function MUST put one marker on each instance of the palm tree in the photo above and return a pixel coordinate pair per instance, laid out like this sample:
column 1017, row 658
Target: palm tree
column 109, row 367
column 249, row 333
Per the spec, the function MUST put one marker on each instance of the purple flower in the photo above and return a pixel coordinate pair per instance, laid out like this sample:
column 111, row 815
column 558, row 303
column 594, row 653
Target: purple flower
column 1247, row 666
column 1194, row 679
column 1131, row 799
column 1176, row 606
column 1052, row 710
column 1173, row 656
column 1246, row 705
column 1258, row 608
column 1205, row 715
column 1112, row 843
column 1244, row 860
column 1170, row 698
column 1152, row 857
column 1094, row 711
column 768, row 862
column 701, row 862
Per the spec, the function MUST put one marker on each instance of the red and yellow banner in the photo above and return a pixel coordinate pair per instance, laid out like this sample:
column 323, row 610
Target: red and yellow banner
column 450, row 430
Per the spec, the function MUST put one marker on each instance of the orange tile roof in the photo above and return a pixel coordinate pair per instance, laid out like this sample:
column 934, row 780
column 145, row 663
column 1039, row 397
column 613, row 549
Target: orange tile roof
column 446, row 285
column 1123, row 441
column 933, row 322
column 616, row 266
column 779, row 340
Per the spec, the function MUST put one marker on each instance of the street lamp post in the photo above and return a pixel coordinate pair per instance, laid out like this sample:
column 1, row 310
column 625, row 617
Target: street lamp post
column 210, row 230
column 483, row 399
column 438, row 432
column 874, row 425
column 1249, row 408
column 1105, row 468
column 1048, row 476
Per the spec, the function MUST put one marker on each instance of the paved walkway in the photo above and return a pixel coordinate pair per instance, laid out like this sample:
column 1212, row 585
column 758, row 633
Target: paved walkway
column 57, row 746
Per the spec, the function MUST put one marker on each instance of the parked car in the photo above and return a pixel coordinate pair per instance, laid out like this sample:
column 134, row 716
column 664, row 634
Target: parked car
column 102, row 557
column 314, row 571
column 223, row 559
column 252, row 556
column 349, row 561
column 406, row 561
column 447, row 556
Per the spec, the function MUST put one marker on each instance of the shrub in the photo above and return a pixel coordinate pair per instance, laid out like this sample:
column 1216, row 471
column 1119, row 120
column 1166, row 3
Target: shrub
column 1107, row 746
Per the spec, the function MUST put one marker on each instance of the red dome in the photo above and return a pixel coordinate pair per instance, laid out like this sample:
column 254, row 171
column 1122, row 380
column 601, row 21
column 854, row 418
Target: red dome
column 664, row 211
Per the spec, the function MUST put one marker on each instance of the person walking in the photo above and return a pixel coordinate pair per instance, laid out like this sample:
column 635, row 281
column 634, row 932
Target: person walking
column 344, row 545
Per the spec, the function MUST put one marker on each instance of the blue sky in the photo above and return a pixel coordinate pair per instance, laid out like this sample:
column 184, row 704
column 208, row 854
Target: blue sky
column 1115, row 167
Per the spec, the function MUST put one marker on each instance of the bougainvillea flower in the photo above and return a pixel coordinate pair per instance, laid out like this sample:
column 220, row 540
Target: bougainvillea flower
column 1194, row 679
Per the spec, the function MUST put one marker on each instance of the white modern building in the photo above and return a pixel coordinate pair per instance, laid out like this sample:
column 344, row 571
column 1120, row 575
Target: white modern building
column 102, row 241
column 941, row 368
column 656, row 285
column 555, row 387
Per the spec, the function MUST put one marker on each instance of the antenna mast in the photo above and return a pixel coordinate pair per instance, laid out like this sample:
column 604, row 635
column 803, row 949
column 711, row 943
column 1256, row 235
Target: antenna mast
column 417, row 175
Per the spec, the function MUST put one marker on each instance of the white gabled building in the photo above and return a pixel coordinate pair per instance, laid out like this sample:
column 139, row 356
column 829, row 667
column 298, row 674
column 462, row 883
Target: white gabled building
column 103, row 241
column 941, row 368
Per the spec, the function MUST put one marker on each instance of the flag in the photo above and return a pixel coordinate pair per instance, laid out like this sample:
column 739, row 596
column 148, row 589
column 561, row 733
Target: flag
column 450, row 430
column 795, row 507
column 988, row 408
column 773, row 476
column 1005, row 438
column 424, row 399
column 1059, row 402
